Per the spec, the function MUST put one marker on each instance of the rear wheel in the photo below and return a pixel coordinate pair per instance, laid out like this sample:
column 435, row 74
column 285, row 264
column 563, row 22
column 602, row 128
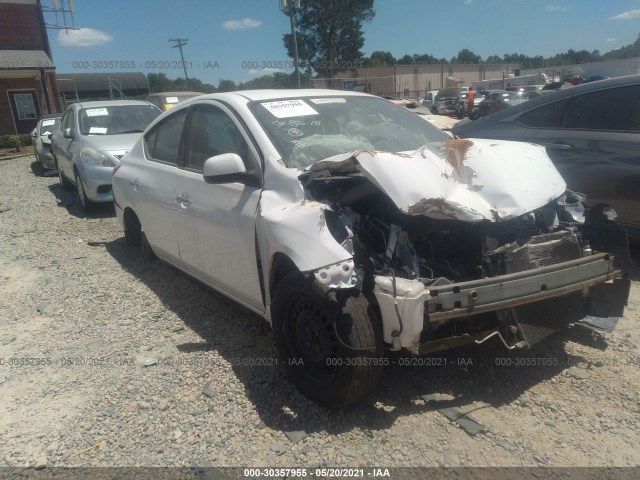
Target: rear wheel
column 132, row 229
column 147, row 252
column 331, row 344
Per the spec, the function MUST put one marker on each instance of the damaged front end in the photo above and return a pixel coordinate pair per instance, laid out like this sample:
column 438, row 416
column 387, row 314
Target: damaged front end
column 498, row 247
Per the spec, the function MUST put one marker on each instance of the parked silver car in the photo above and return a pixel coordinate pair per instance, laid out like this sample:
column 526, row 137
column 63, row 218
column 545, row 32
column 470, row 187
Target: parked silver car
column 41, row 140
column 92, row 138
column 355, row 227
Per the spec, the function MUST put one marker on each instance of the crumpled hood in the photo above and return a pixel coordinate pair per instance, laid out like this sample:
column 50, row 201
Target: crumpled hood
column 469, row 179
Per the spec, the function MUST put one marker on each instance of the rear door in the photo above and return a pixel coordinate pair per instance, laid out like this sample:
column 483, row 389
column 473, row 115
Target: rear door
column 153, row 187
column 594, row 141
column 217, row 224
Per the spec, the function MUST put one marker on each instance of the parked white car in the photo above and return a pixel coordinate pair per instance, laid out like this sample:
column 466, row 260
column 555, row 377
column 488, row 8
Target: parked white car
column 40, row 138
column 355, row 227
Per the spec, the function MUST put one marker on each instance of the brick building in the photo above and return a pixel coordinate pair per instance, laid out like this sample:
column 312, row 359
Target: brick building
column 28, row 85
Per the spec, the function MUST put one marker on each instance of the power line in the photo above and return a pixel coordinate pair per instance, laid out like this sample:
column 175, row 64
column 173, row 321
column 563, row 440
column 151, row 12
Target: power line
column 181, row 42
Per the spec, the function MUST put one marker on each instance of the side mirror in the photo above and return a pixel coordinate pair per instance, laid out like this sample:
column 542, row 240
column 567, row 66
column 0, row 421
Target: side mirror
column 225, row 168
column 67, row 133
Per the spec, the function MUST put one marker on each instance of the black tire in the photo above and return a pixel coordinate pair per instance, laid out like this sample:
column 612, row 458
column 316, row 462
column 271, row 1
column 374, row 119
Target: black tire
column 474, row 116
column 331, row 344
column 434, row 111
column 132, row 229
column 87, row 204
column 64, row 183
column 147, row 252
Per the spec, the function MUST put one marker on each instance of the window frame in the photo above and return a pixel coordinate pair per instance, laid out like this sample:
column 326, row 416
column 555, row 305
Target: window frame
column 252, row 163
column 181, row 145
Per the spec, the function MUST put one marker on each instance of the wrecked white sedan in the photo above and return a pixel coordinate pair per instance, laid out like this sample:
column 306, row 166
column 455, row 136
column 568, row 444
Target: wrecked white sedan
column 355, row 227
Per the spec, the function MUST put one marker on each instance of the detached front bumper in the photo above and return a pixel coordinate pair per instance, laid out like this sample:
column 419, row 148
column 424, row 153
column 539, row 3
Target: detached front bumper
column 423, row 307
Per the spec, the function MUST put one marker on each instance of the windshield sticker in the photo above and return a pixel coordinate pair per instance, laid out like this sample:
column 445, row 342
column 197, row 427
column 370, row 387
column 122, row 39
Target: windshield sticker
column 320, row 101
column 46, row 123
column 97, row 112
column 289, row 108
column 46, row 133
column 99, row 130
column 172, row 100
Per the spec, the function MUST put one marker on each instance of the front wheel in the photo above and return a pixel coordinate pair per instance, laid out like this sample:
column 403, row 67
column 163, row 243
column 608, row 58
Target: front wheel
column 331, row 344
column 87, row 204
column 64, row 183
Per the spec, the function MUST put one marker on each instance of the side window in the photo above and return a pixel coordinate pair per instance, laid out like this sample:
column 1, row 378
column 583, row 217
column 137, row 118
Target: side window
column 211, row 133
column 542, row 116
column 615, row 109
column 163, row 141
column 67, row 120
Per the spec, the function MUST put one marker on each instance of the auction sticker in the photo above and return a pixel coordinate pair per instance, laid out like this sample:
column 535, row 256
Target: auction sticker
column 97, row 130
column 289, row 108
column 46, row 123
column 172, row 100
column 97, row 112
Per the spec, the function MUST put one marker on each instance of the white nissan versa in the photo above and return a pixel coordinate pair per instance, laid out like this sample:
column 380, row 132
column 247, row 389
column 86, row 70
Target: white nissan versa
column 355, row 227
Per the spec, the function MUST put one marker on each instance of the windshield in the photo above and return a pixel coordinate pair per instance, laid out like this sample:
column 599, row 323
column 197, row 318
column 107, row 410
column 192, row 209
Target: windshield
column 307, row 130
column 116, row 119
column 49, row 125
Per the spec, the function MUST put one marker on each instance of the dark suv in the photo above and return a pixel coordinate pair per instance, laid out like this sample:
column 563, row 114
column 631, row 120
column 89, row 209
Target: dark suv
column 592, row 134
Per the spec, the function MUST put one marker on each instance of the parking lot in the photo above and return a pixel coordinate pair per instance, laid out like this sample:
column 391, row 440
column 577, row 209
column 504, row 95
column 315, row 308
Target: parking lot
column 108, row 360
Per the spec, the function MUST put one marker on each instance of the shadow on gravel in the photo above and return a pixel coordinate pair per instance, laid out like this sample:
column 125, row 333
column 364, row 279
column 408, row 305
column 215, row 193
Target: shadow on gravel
column 38, row 171
column 486, row 373
column 69, row 199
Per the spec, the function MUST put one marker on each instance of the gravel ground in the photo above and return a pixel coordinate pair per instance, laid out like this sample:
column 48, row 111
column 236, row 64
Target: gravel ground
column 150, row 368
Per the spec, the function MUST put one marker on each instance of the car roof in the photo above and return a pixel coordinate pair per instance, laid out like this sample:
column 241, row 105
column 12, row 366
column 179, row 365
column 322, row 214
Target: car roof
column 111, row 103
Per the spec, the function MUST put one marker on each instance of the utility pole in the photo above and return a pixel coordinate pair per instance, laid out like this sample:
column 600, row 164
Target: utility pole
column 289, row 7
column 181, row 42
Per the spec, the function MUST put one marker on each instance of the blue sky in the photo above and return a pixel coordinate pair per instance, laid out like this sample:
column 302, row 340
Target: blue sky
column 228, row 39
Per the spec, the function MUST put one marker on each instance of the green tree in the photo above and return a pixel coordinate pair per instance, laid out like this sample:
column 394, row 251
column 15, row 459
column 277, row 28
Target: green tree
column 379, row 59
column 421, row 59
column 329, row 34
column 466, row 56
column 227, row 86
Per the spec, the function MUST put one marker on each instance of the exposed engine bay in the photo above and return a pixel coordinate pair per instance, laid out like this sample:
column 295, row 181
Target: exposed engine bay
column 431, row 275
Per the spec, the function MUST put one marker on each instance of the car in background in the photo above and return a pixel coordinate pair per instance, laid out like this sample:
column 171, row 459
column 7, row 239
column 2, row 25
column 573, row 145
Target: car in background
column 354, row 227
column 167, row 100
column 40, row 138
column 592, row 134
column 91, row 140
column 429, row 101
column 447, row 100
column 493, row 101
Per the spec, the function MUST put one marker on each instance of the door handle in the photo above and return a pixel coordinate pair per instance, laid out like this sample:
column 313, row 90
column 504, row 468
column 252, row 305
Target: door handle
column 184, row 199
column 559, row 146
